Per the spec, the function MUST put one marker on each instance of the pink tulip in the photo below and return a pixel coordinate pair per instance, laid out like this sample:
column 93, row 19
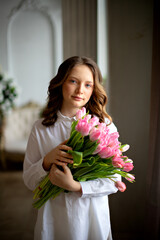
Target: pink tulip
column 83, row 127
column 80, row 113
column 125, row 148
column 128, row 160
column 103, row 128
column 98, row 149
column 88, row 117
column 94, row 121
column 113, row 141
column 130, row 177
column 98, row 135
column 106, row 152
column 114, row 145
column 128, row 167
column 114, row 136
column 118, row 162
column 95, row 134
column 118, row 153
column 121, row 186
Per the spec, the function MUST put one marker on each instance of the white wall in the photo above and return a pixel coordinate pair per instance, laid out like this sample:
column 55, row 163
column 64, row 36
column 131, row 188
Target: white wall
column 31, row 45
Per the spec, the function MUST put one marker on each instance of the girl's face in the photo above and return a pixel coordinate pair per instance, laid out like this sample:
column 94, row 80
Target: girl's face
column 77, row 89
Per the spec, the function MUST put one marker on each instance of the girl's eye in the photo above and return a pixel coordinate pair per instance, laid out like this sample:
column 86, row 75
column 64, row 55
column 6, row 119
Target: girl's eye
column 88, row 85
column 72, row 81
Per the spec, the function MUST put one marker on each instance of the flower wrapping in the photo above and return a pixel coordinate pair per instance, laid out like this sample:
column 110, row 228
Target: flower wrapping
column 96, row 152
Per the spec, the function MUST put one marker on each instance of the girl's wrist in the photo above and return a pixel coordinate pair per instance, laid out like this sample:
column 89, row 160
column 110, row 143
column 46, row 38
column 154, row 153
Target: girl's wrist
column 46, row 164
column 77, row 187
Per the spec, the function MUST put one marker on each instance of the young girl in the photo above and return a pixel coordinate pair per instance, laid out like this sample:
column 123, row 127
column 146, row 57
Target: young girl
column 83, row 212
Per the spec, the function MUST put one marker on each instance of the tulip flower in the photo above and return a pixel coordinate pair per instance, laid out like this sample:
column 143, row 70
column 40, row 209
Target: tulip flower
column 130, row 177
column 95, row 134
column 124, row 147
column 106, row 152
column 94, row 121
column 118, row 162
column 80, row 113
column 128, row 166
column 83, row 127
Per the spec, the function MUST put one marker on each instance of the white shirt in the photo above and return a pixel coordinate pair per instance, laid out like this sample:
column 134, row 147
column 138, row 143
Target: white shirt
column 70, row 216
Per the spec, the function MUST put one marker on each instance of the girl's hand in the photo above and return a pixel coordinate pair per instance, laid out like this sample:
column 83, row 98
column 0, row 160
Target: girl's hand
column 64, row 179
column 58, row 156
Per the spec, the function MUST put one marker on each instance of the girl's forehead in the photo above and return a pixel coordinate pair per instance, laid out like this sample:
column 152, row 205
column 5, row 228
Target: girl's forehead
column 81, row 70
column 80, row 67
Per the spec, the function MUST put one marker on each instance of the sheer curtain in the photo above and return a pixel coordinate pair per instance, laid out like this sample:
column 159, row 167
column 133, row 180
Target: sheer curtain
column 153, row 177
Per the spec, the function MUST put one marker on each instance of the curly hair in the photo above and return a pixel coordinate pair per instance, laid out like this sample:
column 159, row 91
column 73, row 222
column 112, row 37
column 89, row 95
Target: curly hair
column 98, row 100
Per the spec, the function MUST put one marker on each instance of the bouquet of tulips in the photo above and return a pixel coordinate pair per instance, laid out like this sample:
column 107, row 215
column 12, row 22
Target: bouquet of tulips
column 96, row 152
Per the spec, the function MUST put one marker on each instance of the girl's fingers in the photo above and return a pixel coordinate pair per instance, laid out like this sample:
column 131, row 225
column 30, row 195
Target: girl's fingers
column 59, row 163
column 66, row 155
column 64, row 147
column 64, row 159
column 60, row 155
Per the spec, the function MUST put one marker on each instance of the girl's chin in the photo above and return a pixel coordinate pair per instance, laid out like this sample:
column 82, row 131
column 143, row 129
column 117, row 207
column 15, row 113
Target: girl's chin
column 77, row 104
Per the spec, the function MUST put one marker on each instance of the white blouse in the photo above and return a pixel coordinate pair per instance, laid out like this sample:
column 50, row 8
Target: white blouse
column 70, row 216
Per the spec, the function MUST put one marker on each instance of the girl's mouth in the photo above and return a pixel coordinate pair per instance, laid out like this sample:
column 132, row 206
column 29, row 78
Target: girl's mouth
column 77, row 98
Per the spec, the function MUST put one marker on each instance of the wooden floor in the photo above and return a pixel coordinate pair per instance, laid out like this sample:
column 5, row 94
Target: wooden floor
column 17, row 216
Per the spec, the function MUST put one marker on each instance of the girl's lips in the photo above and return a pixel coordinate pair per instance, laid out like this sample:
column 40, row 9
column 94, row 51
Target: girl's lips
column 77, row 98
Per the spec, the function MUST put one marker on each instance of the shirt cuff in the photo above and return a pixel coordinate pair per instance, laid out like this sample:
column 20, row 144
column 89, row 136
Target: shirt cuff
column 98, row 187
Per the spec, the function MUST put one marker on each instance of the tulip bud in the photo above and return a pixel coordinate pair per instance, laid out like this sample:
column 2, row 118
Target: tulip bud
column 124, row 147
column 130, row 177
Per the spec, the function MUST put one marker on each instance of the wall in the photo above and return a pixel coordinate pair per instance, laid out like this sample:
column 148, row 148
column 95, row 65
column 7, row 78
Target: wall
column 130, row 55
column 31, row 45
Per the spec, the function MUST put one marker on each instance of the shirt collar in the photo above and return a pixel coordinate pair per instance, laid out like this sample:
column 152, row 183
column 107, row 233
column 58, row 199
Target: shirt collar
column 65, row 118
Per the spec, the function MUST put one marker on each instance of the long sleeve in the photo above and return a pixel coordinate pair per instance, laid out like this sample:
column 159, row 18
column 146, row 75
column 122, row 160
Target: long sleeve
column 33, row 171
column 99, row 187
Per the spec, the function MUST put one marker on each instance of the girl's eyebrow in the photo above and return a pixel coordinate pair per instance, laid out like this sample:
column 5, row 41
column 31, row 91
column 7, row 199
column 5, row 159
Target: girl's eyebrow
column 89, row 81
column 72, row 76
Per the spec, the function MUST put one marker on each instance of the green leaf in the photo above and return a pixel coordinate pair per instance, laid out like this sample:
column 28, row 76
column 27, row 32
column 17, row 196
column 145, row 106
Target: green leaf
column 79, row 145
column 91, row 149
column 77, row 157
column 90, row 161
column 80, row 172
column 74, row 139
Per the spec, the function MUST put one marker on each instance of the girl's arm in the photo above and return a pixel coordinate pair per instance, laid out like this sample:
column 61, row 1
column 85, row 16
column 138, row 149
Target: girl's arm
column 33, row 170
column 99, row 187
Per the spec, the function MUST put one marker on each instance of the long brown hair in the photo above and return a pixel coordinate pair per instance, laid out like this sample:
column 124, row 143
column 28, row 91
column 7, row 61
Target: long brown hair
column 98, row 100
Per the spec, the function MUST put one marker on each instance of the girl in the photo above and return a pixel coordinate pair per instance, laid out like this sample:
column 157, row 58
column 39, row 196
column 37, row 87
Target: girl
column 83, row 213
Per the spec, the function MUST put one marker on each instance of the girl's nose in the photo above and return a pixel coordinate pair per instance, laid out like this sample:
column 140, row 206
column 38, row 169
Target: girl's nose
column 79, row 88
